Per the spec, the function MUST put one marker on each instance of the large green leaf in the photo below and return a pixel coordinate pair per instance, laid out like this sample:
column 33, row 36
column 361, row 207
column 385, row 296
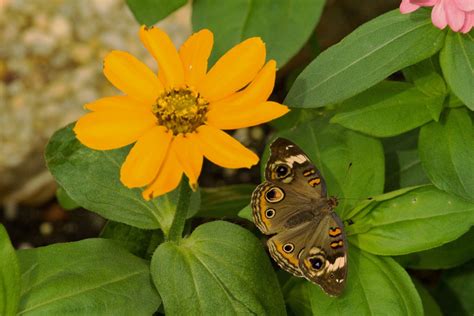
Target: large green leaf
column 430, row 307
column 135, row 240
column 368, row 55
column 447, row 153
column 88, row 277
column 221, row 269
column 393, row 113
column 284, row 25
column 225, row 200
column 447, row 256
column 149, row 12
column 375, row 286
column 457, row 62
column 351, row 174
column 418, row 219
column 454, row 292
column 9, row 276
column 91, row 178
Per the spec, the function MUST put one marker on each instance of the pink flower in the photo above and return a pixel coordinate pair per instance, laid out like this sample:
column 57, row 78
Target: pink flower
column 458, row 14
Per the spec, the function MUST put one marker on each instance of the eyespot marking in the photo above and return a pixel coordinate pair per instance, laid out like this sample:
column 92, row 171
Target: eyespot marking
column 316, row 262
column 274, row 195
column 334, row 231
column 282, row 171
column 314, row 182
column 337, row 244
column 270, row 213
column 288, row 248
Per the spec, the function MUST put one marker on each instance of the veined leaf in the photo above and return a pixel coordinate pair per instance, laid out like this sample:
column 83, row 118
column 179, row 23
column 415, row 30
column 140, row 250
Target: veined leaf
column 9, row 276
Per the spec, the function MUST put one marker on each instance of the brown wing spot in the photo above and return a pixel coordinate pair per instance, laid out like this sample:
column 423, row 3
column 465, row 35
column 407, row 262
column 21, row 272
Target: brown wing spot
column 337, row 244
column 309, row 172
column 334, row 231
column 314, row 182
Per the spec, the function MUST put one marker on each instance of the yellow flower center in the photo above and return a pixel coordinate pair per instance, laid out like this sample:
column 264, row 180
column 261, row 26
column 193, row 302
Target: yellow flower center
column 181, row 110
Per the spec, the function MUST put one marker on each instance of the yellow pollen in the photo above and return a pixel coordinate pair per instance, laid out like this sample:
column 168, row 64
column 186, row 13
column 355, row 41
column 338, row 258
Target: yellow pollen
column 181, row 110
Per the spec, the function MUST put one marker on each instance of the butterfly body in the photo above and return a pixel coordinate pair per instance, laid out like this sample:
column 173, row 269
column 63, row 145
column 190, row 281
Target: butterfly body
column 292, row 205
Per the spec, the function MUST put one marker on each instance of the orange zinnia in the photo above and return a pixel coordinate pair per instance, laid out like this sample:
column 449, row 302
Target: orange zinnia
column 177, row 116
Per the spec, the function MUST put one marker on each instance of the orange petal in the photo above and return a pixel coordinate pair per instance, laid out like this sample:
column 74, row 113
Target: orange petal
column 258, row 90
column 121, row 102
column 167, row 179
column 250, row 115
column 162, row 48
column 105, row 130
column 131, row 76
column 234, row 70
column 223, row 150
column 194, row 54
column 145, row 158
column 189, row 156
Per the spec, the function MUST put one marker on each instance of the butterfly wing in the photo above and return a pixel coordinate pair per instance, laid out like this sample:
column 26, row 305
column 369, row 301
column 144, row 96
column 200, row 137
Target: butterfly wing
column 293, row 190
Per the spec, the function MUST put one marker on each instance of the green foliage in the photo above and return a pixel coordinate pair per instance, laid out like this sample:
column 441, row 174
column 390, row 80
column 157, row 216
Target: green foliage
column 220, row 269
column 284, row 31
column 374, row 285
column 451, row 142
column 365, row 57
column 88, row 277
column 149, row 12
column 9, row 276
column 225, row 200
column 457, row 62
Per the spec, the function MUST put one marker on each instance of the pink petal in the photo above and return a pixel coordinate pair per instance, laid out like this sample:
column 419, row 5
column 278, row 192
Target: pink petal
column 454, row 16
column 425, row 3
column 468, row 22
column 438, row 16
column 406, row 7
column 465, row 5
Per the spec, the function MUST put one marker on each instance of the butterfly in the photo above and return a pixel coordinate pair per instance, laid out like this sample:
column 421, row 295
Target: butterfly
column 292, row 205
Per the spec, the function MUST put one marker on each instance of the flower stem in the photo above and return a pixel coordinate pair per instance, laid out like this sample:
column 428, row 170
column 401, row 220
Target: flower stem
column 184, row 198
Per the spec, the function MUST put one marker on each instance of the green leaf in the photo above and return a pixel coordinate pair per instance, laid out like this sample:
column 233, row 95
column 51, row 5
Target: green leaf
column 375, row 286
column 430, row 307
column 88, row 277
column 447, row 153
column 9, row 276
column 457, row 62
column 341, row 155
column 394, row 113
column 65, row 200
column 133, row 239
column 246, row 213
column 284, row 25
column 420, row 219
column 454, row 293
column 225, row 200
column 447, row 256
column 368, row 55
column 425, row 68
column 221, row 269
column 149, row 12
column 91, row 178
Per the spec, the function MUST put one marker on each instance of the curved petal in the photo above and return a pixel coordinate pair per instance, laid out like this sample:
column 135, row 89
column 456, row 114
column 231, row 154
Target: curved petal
column 121, row 102
column 258, row 90
column 468, row 23
column 167, row 179
column 406, row 7
column 189, row 156
column 465, row 5
column 454, row 16
column 105, row 130
column 194, row 54
column 425, row 3
column 131, row 76
column 438, row 16
column 145, row 158
column 234, row 70
column 251, row 115
column 158, row 43
column 224, row 150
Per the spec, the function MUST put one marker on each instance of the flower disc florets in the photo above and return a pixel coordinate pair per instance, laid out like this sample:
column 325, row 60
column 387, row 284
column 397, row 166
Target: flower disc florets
column 180, row 110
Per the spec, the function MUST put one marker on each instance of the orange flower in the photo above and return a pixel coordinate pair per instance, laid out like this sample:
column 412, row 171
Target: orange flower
column 177, row 116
